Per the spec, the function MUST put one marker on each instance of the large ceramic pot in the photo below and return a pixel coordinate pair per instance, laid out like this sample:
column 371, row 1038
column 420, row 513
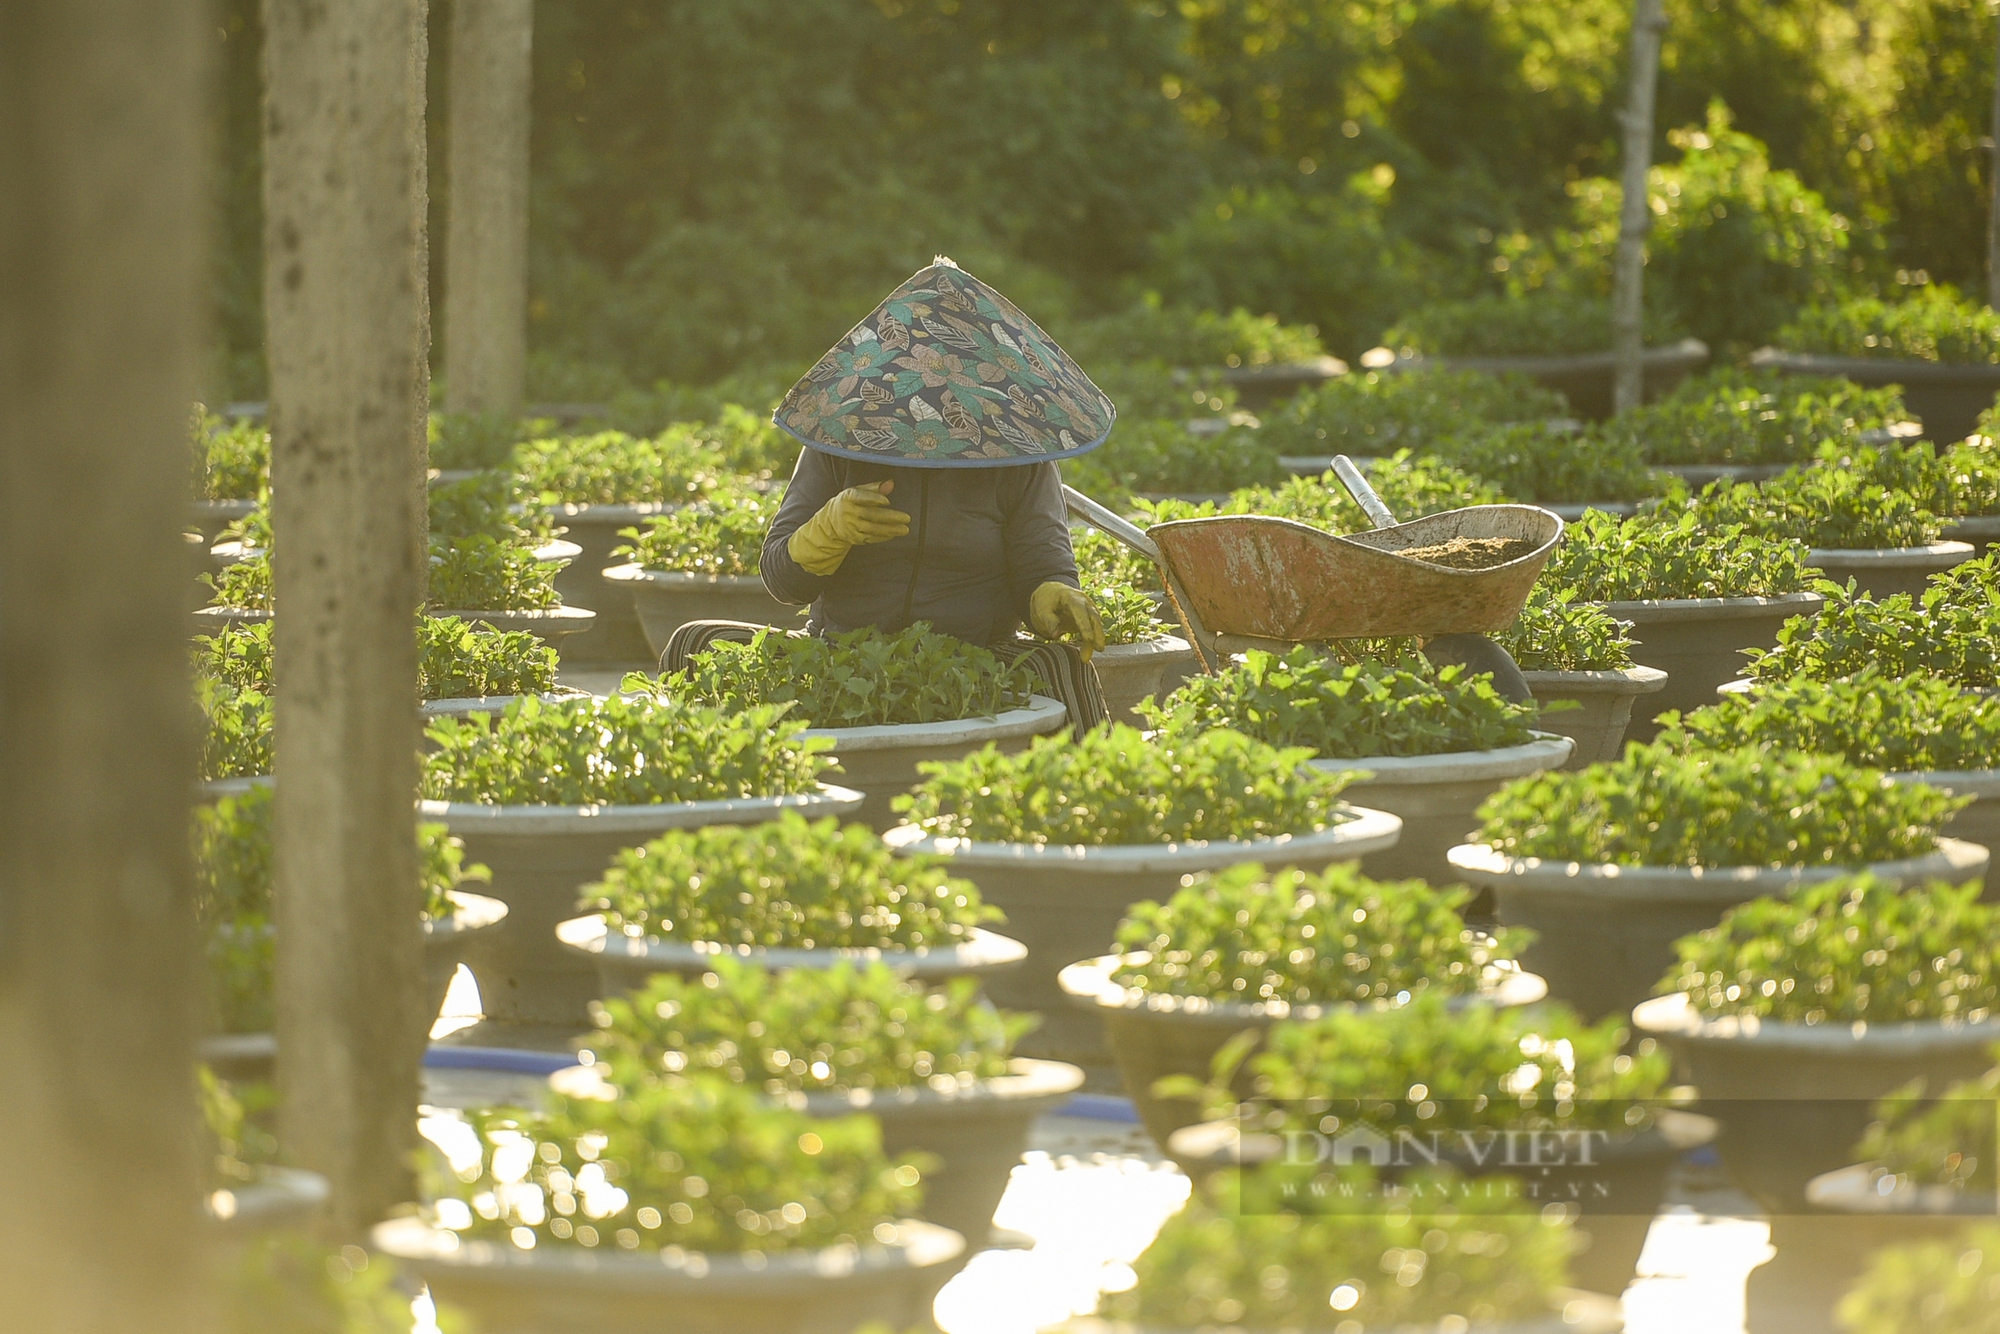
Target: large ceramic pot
column 616, row 639
column 553, row 626
column 1793, row 1098
column 881, row 762
column 665, row 600
column 1128, row 673
column 1603, row 709
column 1436, row 796
column 627, row 963
column 1698, row 475
column 1614, row 1182
column 1604, row 934
column 1982, row 531
column 1947, row 398
column 274, row 1198
column 1978, row 823
column 553, row 552
column 1585, row 379
column 210, row 517
column 1699, row 644
column 1154, row 1035
column 569, row 1290
column 462, row 706
column 1573, row 1312
column 542, row 856
column 1885, row 571
column 1065, row 903
column 1257, row 386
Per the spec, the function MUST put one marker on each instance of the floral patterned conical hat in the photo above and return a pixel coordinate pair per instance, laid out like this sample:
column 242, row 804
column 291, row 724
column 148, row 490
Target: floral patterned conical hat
column 947, row 373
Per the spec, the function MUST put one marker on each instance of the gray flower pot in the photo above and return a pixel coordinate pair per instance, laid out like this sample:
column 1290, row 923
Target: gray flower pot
column 627, row 963
column 1978, row 823
column 1436, row 796
column 881, row 762
column 542, row 856
column 1604, row 708
column 1575, row 1312
column 1698, row 475
column 1584, row 378
column 1981, row 530
column 1793, row 1098
column 1128, row 673
column 1605, row 934
column 665, row 600
column 1615, row 1193
column 616, row 639
column 1886, row 571
column 552, row 626
column 1065, row 903
column 566, row 1289
column 1257, row 386
column 463, row 706
column 210, row 517
column 1699, row 643
column 276, row 1198
column 1153, row 1035
column 554, row 552
column 1947, row 398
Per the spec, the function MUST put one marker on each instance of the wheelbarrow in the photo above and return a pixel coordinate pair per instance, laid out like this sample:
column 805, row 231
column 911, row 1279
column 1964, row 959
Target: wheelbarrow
column 1246, row 581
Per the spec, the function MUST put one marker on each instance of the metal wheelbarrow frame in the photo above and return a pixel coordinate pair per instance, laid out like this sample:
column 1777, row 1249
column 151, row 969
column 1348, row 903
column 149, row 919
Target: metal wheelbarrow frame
column 1255, row 581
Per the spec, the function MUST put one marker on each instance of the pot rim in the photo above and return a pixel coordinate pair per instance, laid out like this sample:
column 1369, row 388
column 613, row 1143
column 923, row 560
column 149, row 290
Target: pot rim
column 1547, row 751
column 551, row 617
column 476, row 817
column 1856, row 1189
column 588, row 935
column 685, row 580
column 1673, row 1017
column 617, row 511
column 1481, row 864
column 1040, row 715
column 457, row 706
column 471, row 912
column 1633, row 680
column 1369, row 831
column 274, row 1196
column 1162, row 645
column 1888, row 369
column 1089, row 984
column 918, row 1246
column 1028, row 1081
column 1943, row 553
column 1979, row 784
column 1595, row 1314
column 1656, row 611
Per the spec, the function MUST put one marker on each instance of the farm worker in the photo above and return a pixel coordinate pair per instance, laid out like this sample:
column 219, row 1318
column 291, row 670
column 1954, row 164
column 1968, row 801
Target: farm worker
column 928, row 491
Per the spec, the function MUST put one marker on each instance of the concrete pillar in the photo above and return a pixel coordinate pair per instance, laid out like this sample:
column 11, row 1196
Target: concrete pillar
column 486, row 243
column 343, row 311
column 1649, row 24
column 102, row 167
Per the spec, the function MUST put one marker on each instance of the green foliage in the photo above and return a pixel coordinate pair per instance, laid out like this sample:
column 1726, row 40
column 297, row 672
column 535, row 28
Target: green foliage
column 1548, row 464
column 237, row 739
column 1950, row 1284
column 1479, row 1258
column 238, row 655
column 788, row 884
column 461, row 441
column 1102, row 560
column 614, row 468
column 1156, row 456
column 1558, row 632
column 1964, row 480
column 1372, row 413
column 1410, row 486
column 1153, row 390
column 1543, row 323
column 1113, row 786
column 232, row 856
column 1930, row 324
column 700, row 1165
column 1732, row 417
column 1129, row 616
column 245, row 585
column 1946, row 1139
column 804, row 1030
column 1851, row 950
column 864, row 678
column 1188, row 337
column 1914, row 723
column 1952, row 632
column 1488, row 1068
column 285, row 1281
column 1296, row 939
column 1347, row 711
column 722, row 533
column 617, row 751
column 488, row 504
column 1676, row 556
column 465, row 660
column 1825, row 506
column 482, row 574
column 1657, row 807
column 232, row 458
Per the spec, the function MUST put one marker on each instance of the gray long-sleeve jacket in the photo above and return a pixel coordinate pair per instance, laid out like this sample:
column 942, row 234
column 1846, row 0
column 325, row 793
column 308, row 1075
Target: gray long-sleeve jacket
column 981, row 540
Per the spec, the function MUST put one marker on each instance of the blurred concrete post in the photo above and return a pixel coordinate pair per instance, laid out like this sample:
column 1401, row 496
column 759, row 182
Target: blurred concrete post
column 486, row 239
column 342, row 312
column 419, row 69
column 1993, row 185
column 1628, row 338
column 102, row 169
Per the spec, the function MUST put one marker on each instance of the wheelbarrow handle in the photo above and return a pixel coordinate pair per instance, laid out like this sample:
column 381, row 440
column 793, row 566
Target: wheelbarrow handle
column 1364, row 494
column 1112, row 524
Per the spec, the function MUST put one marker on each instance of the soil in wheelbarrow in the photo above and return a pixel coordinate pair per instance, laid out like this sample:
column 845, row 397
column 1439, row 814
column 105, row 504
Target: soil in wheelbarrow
column 1471, row 553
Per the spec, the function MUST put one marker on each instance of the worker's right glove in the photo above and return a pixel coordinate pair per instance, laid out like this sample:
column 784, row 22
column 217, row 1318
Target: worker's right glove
column 1056, row 609
column 854, row 518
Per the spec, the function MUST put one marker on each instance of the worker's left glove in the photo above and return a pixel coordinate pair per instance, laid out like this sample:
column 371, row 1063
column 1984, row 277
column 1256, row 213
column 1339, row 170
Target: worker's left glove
column 1055, row 610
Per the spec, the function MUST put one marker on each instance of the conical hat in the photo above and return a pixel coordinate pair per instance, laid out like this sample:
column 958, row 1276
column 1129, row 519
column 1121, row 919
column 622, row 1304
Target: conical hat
column 947, row 373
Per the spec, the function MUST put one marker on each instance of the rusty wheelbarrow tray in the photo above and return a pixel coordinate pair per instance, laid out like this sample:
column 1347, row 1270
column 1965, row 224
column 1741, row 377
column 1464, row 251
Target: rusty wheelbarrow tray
column 1241, row 581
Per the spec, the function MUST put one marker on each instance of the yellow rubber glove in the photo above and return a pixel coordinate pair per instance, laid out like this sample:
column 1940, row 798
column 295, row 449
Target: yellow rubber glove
column 1055, row 610
column 854, row 518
